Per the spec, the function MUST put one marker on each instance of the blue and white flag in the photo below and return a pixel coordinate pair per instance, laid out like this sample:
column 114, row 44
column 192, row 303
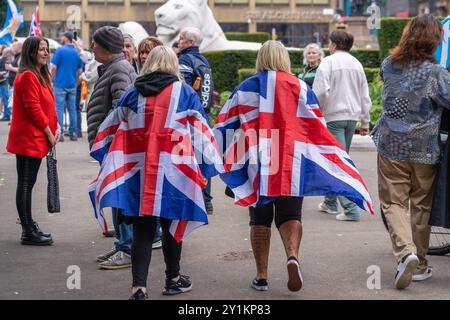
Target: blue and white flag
column 442, row 53
column 13, row 22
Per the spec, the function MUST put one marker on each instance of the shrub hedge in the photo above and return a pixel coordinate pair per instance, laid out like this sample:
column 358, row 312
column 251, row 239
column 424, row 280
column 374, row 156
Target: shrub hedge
column 371, row 73
column 226, row 64
column 390, row 33
column 375, row 90
column 259, row 37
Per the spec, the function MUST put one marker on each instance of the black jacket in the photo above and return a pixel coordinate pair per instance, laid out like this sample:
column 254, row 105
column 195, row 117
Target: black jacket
column 114, row 78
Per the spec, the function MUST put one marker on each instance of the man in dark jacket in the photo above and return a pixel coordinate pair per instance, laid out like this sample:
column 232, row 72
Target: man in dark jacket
column 116, row 75
column 197, row 73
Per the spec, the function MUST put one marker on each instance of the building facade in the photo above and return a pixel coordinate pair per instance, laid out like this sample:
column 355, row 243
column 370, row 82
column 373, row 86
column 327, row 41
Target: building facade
column 296, row 22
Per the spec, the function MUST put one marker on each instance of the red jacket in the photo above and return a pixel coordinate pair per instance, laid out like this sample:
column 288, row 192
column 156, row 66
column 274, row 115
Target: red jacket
column 33, row 111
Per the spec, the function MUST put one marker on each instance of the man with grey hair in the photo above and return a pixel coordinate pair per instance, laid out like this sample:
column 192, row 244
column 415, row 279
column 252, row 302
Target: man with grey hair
column 197, row 73
column 190, row 40
column 130, row 51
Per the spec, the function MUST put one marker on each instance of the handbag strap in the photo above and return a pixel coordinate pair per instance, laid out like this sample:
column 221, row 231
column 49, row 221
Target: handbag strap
column 52, row 152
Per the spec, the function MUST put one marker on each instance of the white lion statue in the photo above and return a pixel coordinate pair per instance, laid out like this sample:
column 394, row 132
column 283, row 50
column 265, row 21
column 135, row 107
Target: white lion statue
column 134, row 29
column 174, row 15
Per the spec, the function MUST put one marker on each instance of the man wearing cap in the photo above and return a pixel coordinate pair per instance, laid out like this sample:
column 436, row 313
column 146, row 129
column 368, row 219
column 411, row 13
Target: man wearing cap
column 66, row 69
column 115, row 76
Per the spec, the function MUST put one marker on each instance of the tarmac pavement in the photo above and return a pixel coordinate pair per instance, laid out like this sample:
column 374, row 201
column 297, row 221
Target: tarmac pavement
column 335, row 256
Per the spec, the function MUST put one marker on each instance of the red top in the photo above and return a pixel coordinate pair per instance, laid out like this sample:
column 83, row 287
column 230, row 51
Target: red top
column 33, row 111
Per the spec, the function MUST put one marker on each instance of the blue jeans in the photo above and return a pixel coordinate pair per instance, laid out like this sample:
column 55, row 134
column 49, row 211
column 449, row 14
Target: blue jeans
column 124, row 234
column 66, row 98
column 343, row 131
column 4, row 93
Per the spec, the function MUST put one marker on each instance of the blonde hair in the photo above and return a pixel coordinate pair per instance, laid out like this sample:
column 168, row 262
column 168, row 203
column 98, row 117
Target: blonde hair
column 273, row 56
column 162, row 59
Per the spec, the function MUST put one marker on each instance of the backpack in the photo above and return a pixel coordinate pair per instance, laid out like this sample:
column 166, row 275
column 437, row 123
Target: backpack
column 203, row 83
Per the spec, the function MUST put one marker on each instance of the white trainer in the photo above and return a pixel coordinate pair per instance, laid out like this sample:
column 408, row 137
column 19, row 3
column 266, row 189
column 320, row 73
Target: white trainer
column 324, row 208
column 344, row 217
column 405, row 270
column 427, row 274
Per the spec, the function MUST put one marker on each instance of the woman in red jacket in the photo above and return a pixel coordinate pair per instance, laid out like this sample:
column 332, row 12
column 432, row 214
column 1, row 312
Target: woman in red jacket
column 34, row 130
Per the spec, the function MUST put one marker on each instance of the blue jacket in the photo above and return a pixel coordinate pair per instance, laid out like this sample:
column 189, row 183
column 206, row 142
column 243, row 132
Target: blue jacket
column 189, row 59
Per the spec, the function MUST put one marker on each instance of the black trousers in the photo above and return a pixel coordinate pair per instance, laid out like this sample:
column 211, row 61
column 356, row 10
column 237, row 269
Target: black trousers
column 144, row 229
column 27, row 170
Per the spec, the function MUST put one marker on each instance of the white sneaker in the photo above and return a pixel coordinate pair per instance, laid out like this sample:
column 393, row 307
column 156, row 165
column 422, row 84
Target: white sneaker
column 324, row 208
column 157, row 243
column 423, row 276
column 119, row 260
column 344, row 217
column 405, row 271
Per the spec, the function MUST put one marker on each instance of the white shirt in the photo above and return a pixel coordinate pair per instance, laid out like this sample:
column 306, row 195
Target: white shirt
column 342, row 89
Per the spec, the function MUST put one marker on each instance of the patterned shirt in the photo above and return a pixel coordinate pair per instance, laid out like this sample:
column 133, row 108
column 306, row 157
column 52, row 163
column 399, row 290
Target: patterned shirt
column 413, row 98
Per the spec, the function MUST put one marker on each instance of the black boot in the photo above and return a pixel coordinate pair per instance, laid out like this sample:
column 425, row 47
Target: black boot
column 39, row 231
column 31, row 237
column 139, row 295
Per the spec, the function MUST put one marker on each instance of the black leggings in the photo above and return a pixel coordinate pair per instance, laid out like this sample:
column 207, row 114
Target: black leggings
column 27, row 170
column 144, row 229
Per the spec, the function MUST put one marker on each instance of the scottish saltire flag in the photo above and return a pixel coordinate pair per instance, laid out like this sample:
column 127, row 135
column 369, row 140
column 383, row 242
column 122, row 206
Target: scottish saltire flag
column 13, row 22
column 442, row 53
column 155, row 153
column 35, row 25
column 282, row 146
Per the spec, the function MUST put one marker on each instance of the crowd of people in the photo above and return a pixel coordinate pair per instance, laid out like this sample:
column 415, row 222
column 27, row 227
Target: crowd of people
column 118, row 73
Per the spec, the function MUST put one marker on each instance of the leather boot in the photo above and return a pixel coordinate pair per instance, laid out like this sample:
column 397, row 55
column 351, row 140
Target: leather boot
column 31, row 237
column 39, row 231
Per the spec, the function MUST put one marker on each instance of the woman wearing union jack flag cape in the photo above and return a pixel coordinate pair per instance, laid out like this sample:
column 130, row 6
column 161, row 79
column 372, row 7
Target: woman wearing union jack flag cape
column 156, row 149
column 281, row 151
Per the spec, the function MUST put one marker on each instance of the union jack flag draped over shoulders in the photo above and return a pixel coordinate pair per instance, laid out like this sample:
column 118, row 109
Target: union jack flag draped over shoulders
column 155, row 153
column 281, row 145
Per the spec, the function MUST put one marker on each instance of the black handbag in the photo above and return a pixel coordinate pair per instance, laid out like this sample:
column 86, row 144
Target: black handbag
column 53, row 203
